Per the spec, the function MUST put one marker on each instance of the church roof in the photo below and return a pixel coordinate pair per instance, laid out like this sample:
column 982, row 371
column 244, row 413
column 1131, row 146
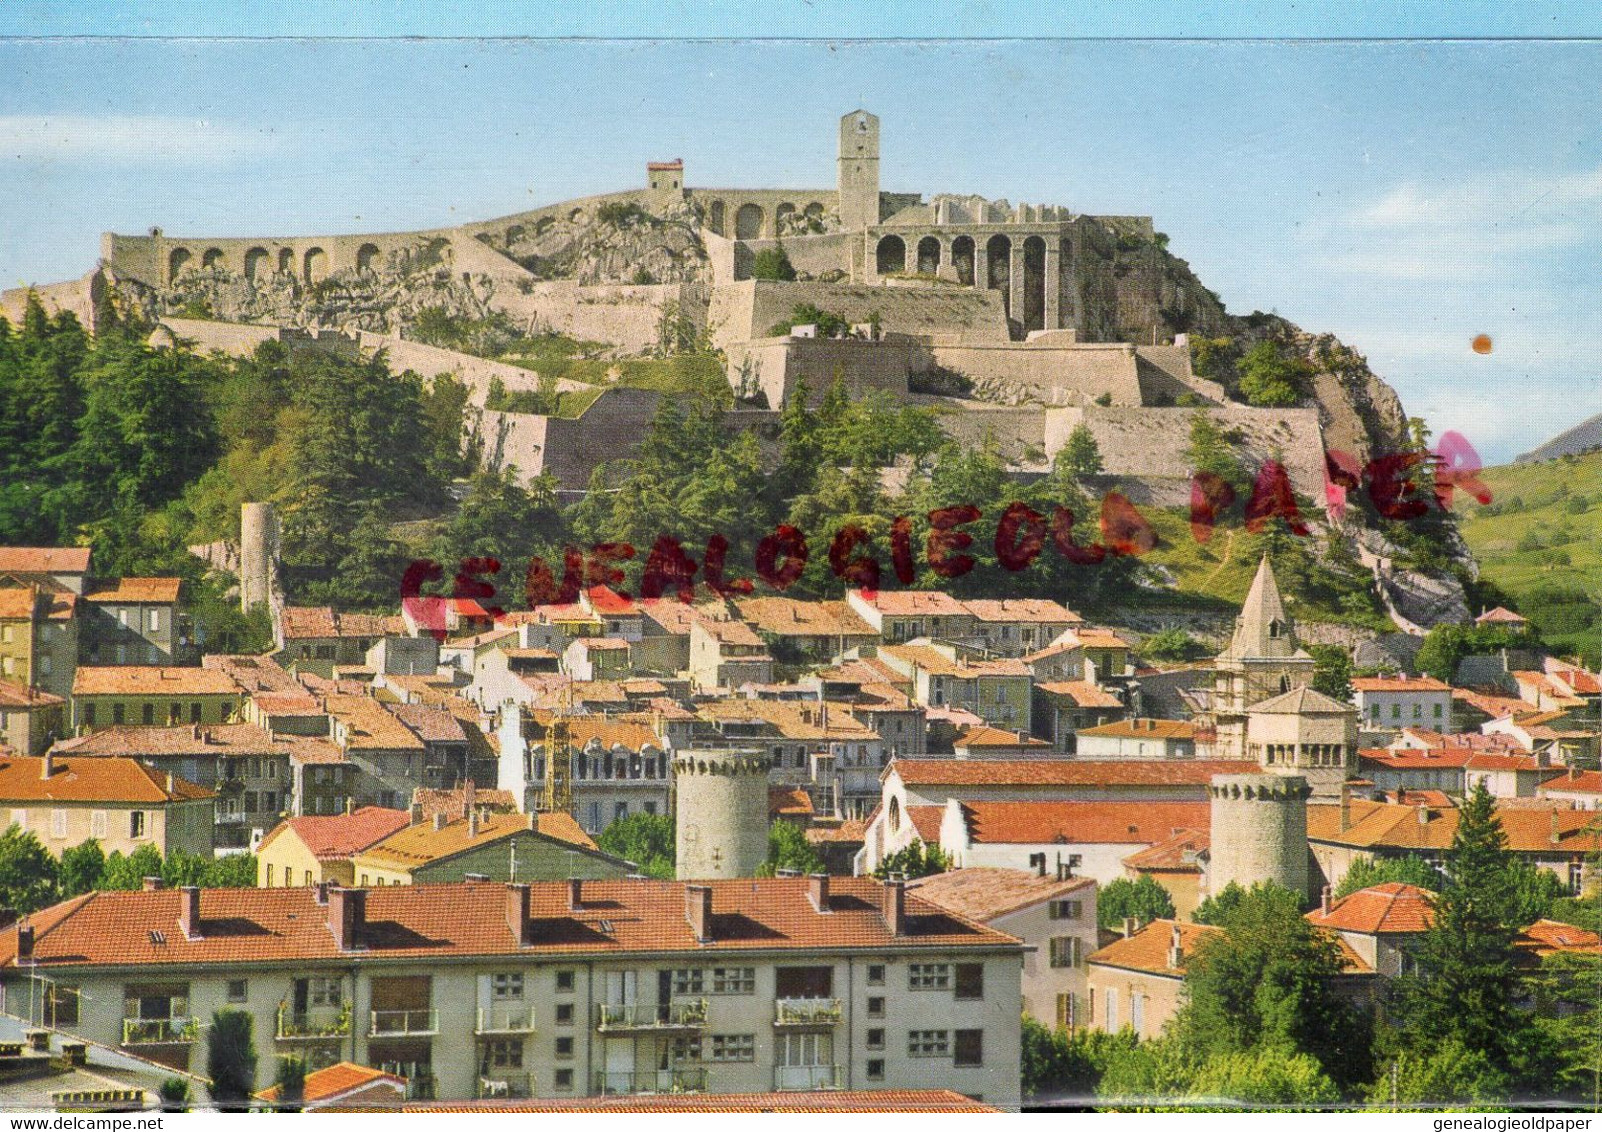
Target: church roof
column 1263, row 628
column 1302, row 700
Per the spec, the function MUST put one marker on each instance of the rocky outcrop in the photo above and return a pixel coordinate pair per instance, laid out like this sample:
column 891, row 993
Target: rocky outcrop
column 616, row 242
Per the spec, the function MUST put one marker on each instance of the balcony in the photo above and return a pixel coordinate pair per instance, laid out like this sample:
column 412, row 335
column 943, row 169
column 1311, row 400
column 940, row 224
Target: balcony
column 684, row 1080
column 689, row 1014
column 159, row 1031
column 507, row 1018
column 312, row 1025
column 505, row 1084
column 801, row 1012
column 807, row 1078
column 404, row 1023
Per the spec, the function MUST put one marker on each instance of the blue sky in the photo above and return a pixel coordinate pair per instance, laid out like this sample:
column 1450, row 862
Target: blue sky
column 1404, row 195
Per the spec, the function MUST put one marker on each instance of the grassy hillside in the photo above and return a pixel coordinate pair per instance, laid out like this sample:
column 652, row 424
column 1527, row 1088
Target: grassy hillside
column 1540, row 540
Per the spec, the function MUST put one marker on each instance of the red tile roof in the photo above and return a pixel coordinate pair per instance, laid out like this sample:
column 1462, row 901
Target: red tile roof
column 788, row 800
column 926, row 822
column 1082, row 692
column 302, row 622
column 340, row 835
column 1398, row 684
column 1064, row 772
column 1037, row 610
column 107, row 780
column 909, row 603
column 151, row 680
column 1180, row 853
column 1501, row 615
column 876, row 1100
column 1391, row 908
column 983, row 894
column 1480, row 760
column 1573, row 781
column 1142, row 729
column 440, row 921
column 995, row 737
column 44, row 559
column 1148, row 950
column 149, row 591
column 1082, row 823
column 606, row 600
column 1545, row 937
column 20, row 697
column 1381, row 825
column 17, row 603
column 329, row 1083
column 1412, row 758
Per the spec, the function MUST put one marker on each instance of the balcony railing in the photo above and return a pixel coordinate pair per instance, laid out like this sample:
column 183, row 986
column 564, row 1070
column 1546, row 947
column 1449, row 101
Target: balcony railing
column 508, row 1018
column 505, row 1084
column 807, row 1012
column 688, row 1014
column 331, row 1022
column 391, row 1022
column 159, row 1031
column 802, row 1078
column 685, row 1080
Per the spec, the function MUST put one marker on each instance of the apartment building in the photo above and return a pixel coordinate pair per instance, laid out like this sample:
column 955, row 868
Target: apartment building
column 120, row 803
column 152, row 696
column 559, row 989
column 133, row 621
column 30, row 718
column 38, row 637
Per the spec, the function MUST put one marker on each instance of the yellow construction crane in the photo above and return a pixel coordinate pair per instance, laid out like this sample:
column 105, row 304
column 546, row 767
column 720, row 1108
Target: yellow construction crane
column 559, row 758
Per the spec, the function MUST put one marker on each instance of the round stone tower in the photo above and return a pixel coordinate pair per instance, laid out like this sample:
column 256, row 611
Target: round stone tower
column 1259, row 831
column 258, row 553
column 720, row 813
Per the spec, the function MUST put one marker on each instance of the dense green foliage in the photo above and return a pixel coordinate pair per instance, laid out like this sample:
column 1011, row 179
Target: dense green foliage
column 231, row 1060
column 1332, row 671
column 1144, row 900
column 788, row 848
column 920, row 859
column 31, row 878
column 1080, row 456
column 1365, row 872
column 291, row 1082
column 175, row 1095
column 27, row 871
column 772, row 263
column 645, row 839
column 1446, row 645
column 1271, row 376
column 1061, row 1067
column 1172, row 644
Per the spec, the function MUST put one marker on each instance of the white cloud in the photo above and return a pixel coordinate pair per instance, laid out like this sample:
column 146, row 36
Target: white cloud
column 72, row 137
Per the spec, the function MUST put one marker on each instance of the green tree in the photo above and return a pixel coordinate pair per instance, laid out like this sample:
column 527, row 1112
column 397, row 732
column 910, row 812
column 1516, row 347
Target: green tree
column 1171, row 644
column 645, row 839
column 1365, row 873
column 237, row 870
column 1081, row 456
column 1332, row 671
column 126, row 873
column 174, row 1092
column 231, row 1060
column 1144, row 900
column 788, row 848
column 1059, row 1067
column 1266, row 1076
column 1210, row 451
column 1467, row 982
column 291, row 1082
column 1272, row 377
column 772, row 263
column 919, row 859
column 82, row 866
column 1443, row 1074
column 28, row 873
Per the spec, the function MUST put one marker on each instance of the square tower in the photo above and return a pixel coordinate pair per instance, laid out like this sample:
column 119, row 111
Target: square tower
column 859, row 171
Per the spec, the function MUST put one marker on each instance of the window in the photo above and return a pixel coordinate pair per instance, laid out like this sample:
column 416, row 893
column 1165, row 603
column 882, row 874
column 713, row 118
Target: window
column 564, row 1047
column 61, row 1005
column 97, row 824
column 564, row 982
column 733, row 1047
column 147, row 714
column 1065, row 910
column 876, row 1007
column 564, row 1014
column 1396, row 711
column 876, row 974
column 876, row 1069
column 119, row 713
column 1373, row 712
column 155, row 620
column 1067, row 1011
column 238, row 990
column 970, row 980
column 969, row 1048
column 620, row 811
column 89, row 715
column 506, row 1053
column 323, row 991
column 734, row 980
column 650, row 808
column 688, row 980
column 1437, row 711
column 928, row 1043
column 686, row 1049
column 58, row 823
column 122, row 654
column 1109, row 1020
column 564, row 1080
column 929, row 976
column 47, row 665
column 1064, row 951
column 1137, row 1010
column 1418, row 710
column 876, row 1038
column 506, row 986
column 269, row 883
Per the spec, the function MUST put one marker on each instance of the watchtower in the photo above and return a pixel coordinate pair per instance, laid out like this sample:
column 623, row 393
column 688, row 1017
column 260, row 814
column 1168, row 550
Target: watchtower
column 859, row 170
column 720, row 813
column 1259, row 831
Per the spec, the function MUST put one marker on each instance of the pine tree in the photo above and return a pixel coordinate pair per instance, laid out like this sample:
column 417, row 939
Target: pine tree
column 1081, row 456
column 231, row 1060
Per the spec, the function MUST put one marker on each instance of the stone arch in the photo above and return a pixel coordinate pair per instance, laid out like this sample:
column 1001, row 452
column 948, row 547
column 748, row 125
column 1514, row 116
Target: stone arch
column 715, row 220
column 783, row 218
column 814, row 214
column 998, row 251
column 928, row 255
column 315, row 265
column 367, row 257
column 1033, row 315
column 891, row 255
column 748, row 222
column 286, row 260
column 256, row 261
column 177, row 262
column 213, row 258
column 894, row 814
column 962, row 259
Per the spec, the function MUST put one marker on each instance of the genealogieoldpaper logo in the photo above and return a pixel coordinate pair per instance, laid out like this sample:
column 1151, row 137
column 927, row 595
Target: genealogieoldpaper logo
column 1396, row 485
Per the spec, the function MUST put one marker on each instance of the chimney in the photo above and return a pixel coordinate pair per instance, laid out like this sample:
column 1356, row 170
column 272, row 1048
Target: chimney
column 894, row 907
column 321, row 890
column 698, row 910
column 195, row 731
column 1346, row 807
column 189, row 911
column 47, row 765
column 469, row 797
column 1557, row 834
column 1324, row 900
column 818, row 891
column 1574, row 772
column 350, row 805
column 25, row 942
column 347, row 913
column 417, row 813
column 1131, row 926
column 1423, row 815
column 575, row 894
column 153, row 884
column 172, row 783
column 517, row 896
column 472, row 823
column 1176, row 950
column 439, row 820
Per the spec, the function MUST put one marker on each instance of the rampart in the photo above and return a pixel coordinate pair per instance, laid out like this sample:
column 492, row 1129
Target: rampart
column 765, row 214
column 570, row 448
column 1054, row 374
column 751, row 308
column 777, row 365
column 628, row 317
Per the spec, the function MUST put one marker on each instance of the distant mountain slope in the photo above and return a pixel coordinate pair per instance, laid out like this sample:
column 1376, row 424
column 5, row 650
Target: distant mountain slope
column 1581, row 438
